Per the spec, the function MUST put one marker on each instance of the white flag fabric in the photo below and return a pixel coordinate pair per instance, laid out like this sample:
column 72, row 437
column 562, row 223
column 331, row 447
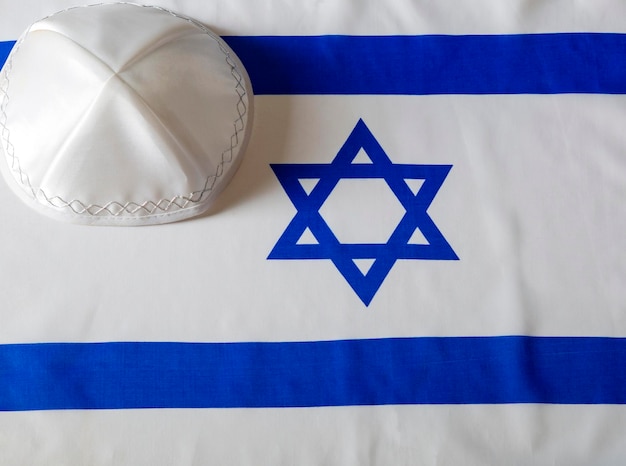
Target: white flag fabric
column 420, row 260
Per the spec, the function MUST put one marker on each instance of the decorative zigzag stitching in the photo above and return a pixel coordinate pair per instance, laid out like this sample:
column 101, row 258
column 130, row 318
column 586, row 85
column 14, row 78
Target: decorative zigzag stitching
column 116, row 208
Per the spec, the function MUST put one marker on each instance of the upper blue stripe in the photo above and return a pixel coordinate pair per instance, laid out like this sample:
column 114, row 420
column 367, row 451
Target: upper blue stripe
column 5, row 49
column 494, row 64
column 434, row 64
column 305, row 374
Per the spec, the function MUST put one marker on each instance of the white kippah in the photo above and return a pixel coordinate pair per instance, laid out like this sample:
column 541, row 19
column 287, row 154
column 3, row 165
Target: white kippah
column 120, row 114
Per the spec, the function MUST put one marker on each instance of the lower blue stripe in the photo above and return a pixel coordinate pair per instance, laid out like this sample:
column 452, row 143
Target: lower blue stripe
column 434, row 64
column 472, row 370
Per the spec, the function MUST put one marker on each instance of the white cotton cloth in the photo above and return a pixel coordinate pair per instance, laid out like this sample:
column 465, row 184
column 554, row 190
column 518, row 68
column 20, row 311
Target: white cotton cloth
column 122, row 114
column 534, row 206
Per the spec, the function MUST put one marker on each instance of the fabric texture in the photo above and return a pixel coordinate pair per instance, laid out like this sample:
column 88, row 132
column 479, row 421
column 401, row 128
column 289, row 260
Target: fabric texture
column 420, row 260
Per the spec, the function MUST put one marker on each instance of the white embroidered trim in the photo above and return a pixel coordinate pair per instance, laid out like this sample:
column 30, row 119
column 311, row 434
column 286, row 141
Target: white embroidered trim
column 115, row 208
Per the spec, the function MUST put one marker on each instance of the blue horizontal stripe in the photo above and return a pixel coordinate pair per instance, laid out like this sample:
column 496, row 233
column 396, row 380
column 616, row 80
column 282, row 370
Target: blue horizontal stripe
column 433, row 64
column 5, row 49
column 478, row 64
column 472, row 370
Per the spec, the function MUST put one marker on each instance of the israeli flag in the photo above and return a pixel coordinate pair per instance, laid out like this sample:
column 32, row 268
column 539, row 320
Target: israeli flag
column 420, row 261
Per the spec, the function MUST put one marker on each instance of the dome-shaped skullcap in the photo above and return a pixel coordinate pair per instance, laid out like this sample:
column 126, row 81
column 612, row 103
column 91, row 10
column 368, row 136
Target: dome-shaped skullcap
column 120, row 114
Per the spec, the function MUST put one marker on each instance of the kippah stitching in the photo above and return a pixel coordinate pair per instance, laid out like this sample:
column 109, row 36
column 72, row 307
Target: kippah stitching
column 115, row 208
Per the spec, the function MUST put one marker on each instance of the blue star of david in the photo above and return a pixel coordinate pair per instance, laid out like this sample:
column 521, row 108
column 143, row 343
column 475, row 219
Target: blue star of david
column 328, row 246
